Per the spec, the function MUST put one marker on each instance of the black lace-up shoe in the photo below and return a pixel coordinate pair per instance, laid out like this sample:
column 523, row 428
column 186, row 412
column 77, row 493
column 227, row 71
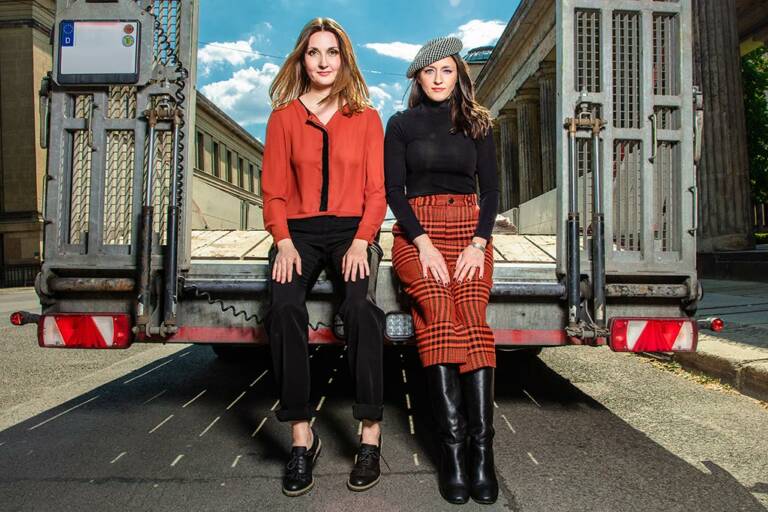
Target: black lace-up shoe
column 366, row 472
column 298, row 471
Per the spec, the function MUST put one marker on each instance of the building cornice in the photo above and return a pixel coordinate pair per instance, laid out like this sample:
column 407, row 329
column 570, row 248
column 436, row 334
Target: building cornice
column 228, row 187
column 209, row 107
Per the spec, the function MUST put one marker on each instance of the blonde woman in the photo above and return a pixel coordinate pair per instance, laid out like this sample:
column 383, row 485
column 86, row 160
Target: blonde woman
column 324, row 202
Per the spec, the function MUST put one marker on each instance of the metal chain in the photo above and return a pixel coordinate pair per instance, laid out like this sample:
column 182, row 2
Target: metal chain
column 237, row 312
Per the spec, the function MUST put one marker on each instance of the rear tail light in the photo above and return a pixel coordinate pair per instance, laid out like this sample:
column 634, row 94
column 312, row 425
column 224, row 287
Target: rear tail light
column 74, row 330
column 653, row 335
column 713, row 323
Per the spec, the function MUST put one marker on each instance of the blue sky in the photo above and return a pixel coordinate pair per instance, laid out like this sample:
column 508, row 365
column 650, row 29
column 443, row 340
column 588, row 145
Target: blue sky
column 241, row 42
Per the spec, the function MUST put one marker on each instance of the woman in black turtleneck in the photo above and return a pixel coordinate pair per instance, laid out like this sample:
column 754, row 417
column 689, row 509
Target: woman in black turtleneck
column 436, row 156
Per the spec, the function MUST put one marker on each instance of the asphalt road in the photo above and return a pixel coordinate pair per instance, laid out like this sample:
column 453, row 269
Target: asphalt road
column 174, row 428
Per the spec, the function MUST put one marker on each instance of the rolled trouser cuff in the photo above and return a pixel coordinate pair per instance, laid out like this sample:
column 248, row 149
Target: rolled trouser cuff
column 294, row 414
column 368, row 412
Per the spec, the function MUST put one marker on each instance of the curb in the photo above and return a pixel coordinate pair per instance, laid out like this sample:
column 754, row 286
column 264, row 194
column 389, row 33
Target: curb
column 745, row 369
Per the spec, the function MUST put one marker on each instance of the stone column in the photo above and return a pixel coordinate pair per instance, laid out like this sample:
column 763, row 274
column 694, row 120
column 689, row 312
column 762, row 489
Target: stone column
column 723, row 174
column 507, row 152
column 529, row 147
column 546, row 76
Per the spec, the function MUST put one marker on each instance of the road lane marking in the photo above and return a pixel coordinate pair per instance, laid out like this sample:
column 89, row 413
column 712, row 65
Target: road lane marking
column 258, row 378
column 157, row 395
column 508, row 424
column 264, row 420
column 532, row 399
column 198, row 396
column 184, row 354
column 64, row 412
column 277, row 402
column 234, row 462
column 330, row 380
column 118, row 457
column 320, row 404
column 405, row 380
column 410, row 424
column 312, row 421
column 533, row 458
column 209, row 426
column 148, row 371
column 415, row 458
column 495, row 404
column 160, row 424
column 177, row 459
column 235, row 400
column 311, row 356
column 335, row 370
column 407, row 401
column 360, row 428
column 341, row 356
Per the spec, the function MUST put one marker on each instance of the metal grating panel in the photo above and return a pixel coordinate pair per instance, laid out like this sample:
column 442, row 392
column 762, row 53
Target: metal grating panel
column 82, row 106
column 161, row 181
column 668, row 118
column 587, row 44
column 666, row 197
column 168, row 14
column 626, row 69
column 627, row 195
column 118, row 187
column 666, row 66
column 121, row 102
column 81, row 186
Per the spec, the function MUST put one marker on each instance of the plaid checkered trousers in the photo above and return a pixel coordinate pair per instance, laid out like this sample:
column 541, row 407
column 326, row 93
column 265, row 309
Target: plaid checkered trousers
column 449, row 321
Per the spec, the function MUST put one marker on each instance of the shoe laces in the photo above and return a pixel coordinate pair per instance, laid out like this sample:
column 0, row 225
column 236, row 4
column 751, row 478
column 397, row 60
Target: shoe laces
column 366, row 456
column 297, row 466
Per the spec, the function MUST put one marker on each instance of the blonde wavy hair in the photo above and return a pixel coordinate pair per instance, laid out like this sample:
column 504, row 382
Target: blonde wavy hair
column 292, row 80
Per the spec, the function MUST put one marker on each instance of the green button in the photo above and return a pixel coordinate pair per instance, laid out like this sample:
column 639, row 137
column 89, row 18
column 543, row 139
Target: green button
column 128, row 41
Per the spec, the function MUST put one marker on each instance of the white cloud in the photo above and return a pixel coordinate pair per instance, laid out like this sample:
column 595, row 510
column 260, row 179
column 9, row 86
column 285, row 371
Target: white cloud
column 476, row 33
column 387, row 98
column 398, row 50
column 234, row 53
column 454, row 3
column 245, row 95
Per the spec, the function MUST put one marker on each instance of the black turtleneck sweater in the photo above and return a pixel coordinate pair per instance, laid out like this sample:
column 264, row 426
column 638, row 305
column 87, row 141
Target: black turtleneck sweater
column 422, row 157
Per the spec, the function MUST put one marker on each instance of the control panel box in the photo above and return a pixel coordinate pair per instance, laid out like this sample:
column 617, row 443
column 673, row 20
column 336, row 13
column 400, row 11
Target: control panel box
column 99, row 52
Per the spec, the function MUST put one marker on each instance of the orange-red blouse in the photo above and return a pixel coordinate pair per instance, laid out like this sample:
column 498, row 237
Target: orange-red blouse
column 311, row 169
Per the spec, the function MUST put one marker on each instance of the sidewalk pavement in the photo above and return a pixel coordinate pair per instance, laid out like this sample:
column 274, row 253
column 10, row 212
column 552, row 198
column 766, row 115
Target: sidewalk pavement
column 738, row 355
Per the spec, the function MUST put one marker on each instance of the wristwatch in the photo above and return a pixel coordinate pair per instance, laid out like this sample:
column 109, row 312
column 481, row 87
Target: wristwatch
column 478, row 246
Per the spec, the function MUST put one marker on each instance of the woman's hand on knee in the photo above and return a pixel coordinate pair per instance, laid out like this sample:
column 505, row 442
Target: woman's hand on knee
column 432, row 260
column 469, row 261
column 355, row 261
column 287, row 257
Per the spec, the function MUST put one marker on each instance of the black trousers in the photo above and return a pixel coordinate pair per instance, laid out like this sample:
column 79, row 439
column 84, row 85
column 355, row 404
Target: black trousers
column 321, row 243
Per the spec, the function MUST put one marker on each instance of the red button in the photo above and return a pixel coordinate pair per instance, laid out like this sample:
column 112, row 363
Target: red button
column 128, row 29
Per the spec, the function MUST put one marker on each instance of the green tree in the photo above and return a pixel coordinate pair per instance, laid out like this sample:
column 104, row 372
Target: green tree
column 754, row 66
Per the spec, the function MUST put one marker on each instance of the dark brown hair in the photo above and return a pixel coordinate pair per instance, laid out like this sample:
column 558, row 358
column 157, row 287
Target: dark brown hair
column 292, row 80
column 467, row 115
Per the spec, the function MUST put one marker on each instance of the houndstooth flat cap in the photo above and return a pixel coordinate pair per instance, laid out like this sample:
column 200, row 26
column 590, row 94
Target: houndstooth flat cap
column 432, row 51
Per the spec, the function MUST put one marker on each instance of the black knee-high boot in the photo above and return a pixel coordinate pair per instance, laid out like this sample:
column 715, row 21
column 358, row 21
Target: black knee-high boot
column 445, row 394
column 477, row 387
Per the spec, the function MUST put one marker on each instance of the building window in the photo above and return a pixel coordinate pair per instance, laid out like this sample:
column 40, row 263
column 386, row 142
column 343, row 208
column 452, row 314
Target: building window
column 216, row 159
column 240, row 171
column 229, row 166
column 199, row 150
column 257, row 178
column 250, row 177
